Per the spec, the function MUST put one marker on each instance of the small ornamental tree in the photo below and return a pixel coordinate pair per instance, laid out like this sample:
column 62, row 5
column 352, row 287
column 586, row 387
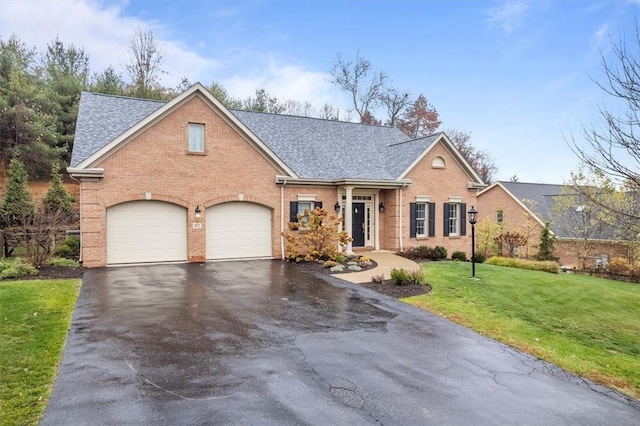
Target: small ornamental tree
column 546, row 247
column 509, row 242
column 314, row 237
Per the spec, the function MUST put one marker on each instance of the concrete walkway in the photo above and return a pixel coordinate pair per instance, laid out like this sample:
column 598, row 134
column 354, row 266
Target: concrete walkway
column 386, row 260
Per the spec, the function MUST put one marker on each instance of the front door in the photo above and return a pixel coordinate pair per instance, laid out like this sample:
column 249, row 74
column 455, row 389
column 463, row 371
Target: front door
column 357, row 225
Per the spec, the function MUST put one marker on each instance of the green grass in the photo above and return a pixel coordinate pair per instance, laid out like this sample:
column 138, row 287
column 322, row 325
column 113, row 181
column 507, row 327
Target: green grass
column 34, row 321
column 586, row 325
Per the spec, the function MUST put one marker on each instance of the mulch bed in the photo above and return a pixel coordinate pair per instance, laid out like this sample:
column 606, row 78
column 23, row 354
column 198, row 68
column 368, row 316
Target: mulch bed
column 387, row 287
column 53, row 273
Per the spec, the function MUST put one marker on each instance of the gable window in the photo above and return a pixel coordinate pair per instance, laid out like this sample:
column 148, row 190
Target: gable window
column 499, row 216
column 196, row 137
column 455, row 219
column 422, row 219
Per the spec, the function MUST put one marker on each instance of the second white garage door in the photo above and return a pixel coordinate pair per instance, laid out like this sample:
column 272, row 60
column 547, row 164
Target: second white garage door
column 238, row 230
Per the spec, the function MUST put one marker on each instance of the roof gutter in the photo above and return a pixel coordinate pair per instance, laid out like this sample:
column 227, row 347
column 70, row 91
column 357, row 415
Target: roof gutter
column 85, row 173
column 372, row 183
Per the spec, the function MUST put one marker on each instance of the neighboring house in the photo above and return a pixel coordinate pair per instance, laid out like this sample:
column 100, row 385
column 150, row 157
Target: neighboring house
column 189, row 180
column 581, row 241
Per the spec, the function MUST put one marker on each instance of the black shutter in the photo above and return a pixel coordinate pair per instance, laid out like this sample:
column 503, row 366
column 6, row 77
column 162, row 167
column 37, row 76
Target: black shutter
column 317, row 205
column 446, row 220
column 412, row 219
column 432, row 219
column 293, row 211
column 463, row 219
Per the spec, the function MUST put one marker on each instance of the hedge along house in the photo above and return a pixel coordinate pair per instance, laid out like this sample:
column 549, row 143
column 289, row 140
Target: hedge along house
column 189, row 180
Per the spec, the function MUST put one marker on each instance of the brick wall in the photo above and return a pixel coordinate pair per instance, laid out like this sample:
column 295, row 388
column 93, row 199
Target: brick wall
column 439, row 184
column 157, row 162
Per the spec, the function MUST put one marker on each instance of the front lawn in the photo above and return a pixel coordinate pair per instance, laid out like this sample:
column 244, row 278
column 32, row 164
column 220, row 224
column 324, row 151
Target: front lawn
column 586, row 325
column 34, row 321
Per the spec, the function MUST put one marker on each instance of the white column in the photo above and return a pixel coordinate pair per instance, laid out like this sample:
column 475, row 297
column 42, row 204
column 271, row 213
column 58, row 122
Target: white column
column 348, row 217
column 376, row 215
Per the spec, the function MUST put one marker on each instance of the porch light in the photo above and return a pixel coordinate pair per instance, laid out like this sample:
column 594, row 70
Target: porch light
column 381, row 207
column 473, row 216
column 198, row 211
column 337, row 207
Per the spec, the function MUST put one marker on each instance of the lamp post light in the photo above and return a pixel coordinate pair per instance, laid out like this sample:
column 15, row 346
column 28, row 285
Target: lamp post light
column 473, row 219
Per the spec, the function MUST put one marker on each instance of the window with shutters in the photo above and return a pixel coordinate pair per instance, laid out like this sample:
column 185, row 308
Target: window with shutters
column 422, row 219
column 305, row 203
column 455, row 216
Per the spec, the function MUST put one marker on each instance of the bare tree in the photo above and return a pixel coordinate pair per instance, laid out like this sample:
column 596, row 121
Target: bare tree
column 357, row 78
column 481, row 161
column 145, row 65
column 395, row 102
column 611, row 145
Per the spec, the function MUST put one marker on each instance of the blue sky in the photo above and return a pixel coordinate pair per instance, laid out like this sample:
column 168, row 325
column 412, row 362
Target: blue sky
column 517, row 75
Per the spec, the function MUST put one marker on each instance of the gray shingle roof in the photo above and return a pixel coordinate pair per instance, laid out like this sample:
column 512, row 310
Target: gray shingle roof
column 545, row 196
column 102, row 118
column 540, row 193
column 311, row 147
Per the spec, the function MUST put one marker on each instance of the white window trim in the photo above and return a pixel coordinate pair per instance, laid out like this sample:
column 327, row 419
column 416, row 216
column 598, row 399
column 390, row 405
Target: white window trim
column 457, row 218
column 307, row 197
column 423, row 199
column 425, row 219
column 201, row 126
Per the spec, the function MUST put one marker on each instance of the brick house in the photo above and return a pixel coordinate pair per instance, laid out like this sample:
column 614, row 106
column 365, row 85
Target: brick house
column 189, row 180
column 526, row 207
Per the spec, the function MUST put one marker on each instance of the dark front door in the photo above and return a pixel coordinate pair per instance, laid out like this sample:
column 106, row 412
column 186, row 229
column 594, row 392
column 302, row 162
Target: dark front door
column 357, row 225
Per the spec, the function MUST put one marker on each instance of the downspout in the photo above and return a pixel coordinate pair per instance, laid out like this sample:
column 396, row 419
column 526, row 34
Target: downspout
column 282, row 219
column 400, row 222
column 80, row 205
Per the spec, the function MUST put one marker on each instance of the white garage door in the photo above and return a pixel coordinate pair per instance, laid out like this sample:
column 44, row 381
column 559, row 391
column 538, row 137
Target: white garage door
column 146, row 231
column 238, row 230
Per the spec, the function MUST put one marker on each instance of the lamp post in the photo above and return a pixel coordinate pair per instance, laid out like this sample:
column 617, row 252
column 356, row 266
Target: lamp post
column 473, row 218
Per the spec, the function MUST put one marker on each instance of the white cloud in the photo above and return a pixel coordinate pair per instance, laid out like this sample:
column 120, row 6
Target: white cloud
column 287, row 82
column 102, row 30
column 508, row 16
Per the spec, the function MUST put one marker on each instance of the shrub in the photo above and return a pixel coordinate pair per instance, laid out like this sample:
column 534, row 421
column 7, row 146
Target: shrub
column 399, row 276
column 329, row 263
column 364, row 259
column 341, row 258
column 619, row 266
column 441, row 252
column 546, row 266
column 354, row 268
column 67, row 263
column 479, row 258
column 16, row 269
column 337, row 268
column 315, row 236
column 364, row 264
column 416, row 277
column 377, row 279
column 459, row 255
column 69, row 248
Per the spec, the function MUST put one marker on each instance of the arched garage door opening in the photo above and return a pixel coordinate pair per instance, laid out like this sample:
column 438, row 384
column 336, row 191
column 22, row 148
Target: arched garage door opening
column 145, row 232
column 237, row 230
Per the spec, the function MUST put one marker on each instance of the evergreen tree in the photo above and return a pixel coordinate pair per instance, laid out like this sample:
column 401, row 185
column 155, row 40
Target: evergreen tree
column 546, row 247
column 17, row 204
column 57, row 198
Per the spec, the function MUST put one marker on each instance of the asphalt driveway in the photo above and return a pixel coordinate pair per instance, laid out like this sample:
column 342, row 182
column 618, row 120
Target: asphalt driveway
column 267, row 343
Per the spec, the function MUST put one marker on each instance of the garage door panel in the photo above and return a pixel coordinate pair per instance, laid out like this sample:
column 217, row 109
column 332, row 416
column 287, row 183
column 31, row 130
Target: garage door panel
column 146, row 231
column 238, row 230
